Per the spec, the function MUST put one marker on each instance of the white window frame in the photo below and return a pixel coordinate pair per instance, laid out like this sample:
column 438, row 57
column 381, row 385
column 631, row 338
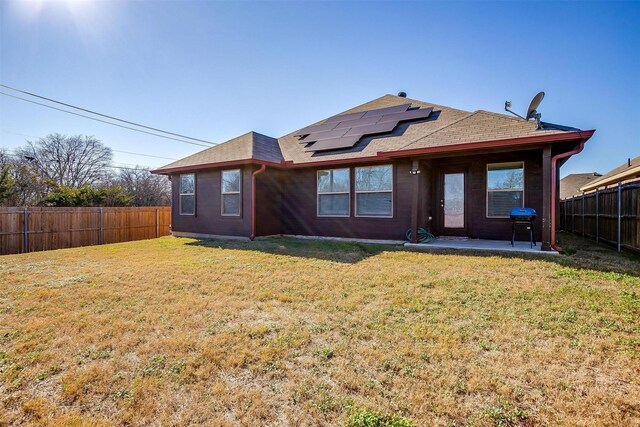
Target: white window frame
column 224, row 193
column 355, row 189
column 505, row 189
column 187, row 194
column 318, row 193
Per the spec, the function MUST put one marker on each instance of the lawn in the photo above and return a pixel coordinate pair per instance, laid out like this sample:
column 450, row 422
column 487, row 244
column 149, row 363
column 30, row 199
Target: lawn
column 290, row 332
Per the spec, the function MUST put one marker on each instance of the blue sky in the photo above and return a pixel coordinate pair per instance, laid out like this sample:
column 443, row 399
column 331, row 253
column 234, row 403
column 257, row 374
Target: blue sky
column 215, row 70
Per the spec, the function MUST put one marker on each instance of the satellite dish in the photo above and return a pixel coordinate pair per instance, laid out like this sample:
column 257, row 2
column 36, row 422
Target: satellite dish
column 533, row 106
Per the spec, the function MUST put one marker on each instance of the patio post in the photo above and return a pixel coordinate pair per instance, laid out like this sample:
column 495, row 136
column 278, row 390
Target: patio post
column 545, row 244
column 415, row 200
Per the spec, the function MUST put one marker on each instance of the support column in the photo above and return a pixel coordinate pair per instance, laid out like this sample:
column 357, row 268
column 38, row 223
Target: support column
column 415, row 200
column 546, row 199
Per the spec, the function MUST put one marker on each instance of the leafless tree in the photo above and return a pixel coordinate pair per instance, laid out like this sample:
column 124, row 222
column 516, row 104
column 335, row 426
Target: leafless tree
column 71, row 161
column 27, row 186
column 146, row 188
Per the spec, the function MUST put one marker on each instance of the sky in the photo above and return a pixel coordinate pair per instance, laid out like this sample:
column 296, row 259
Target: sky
column 216, row 70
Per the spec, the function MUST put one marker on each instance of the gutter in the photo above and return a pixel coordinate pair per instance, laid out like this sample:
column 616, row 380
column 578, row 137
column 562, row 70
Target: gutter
column 253, row 200
column 554, row 161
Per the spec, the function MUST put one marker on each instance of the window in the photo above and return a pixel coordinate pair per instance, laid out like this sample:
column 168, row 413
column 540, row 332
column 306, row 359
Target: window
column 374, row 191
column 231, row 193
column 187, row 194
column 505, row 188
column 333, row 192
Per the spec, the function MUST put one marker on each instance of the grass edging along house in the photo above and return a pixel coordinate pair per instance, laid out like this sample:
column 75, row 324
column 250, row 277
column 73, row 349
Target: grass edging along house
column 373, row 172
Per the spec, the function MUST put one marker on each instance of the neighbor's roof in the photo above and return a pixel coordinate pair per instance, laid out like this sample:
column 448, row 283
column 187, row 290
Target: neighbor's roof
column 444, row 128
column 626, row 171
column 570, row 184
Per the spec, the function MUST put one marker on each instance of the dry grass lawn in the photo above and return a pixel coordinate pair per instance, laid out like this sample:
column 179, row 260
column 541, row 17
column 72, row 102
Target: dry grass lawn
column 286, row 332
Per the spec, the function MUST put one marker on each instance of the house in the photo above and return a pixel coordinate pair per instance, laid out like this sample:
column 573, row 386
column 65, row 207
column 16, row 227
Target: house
column 375, row 171
column 570, row 185
column 627, row 171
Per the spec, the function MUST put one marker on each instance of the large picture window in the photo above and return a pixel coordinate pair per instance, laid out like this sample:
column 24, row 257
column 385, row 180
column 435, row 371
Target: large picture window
column 187, row 194
column 231, row 192
column 333, row 192
column 505, row 188
column 374, row 191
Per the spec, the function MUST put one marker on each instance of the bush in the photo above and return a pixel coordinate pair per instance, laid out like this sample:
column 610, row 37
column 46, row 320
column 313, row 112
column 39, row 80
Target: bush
column 87, row 196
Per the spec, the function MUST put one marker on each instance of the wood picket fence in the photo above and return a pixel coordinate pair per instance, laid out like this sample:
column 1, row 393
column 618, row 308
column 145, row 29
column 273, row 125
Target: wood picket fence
column 41, row 228
column 611, row 215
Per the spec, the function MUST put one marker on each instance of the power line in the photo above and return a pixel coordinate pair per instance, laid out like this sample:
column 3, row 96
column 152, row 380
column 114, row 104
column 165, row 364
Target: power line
column 103, row 121
column 115, row 151
column 135, row 167
column 104, row 115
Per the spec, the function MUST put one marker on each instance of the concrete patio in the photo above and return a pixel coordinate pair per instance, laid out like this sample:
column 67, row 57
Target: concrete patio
column 481, row 245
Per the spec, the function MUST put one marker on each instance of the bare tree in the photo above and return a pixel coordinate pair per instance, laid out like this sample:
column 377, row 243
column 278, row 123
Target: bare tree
column 27, row 187
column 146, row 188
column 72, row 161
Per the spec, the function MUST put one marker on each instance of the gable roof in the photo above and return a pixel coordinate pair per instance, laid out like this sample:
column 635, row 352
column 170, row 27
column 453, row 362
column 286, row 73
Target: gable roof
column 628, row 170
column 570, row 184
column 444, row 128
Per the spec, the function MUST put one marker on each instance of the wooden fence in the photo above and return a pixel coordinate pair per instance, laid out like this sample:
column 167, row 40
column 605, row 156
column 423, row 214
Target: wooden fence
column 41, row 229
column 611, row 216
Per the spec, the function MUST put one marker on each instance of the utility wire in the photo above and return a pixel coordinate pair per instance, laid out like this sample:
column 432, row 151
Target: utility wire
column 115, row 151
column 105, row 115
column 103, row 121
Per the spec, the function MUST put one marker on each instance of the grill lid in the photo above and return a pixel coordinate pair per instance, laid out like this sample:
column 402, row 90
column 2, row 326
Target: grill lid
column 523, row 214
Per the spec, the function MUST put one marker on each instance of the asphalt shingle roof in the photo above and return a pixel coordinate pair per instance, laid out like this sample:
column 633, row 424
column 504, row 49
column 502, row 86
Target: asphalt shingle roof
column 570, row 184
column 445, row 126
column 628, row 170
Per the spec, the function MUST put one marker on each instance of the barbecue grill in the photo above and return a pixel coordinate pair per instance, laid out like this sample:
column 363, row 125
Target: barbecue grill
column 522, row 217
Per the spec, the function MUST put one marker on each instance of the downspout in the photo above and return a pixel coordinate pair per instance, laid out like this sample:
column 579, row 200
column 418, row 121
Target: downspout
column 554, row 161
column 253, row 200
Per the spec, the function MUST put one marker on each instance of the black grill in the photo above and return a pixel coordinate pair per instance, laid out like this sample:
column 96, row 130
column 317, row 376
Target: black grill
column 522, row 217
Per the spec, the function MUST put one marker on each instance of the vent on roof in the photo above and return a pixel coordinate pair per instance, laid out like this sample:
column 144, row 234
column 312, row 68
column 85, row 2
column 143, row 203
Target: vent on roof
column 344, row 131
column 402, row 94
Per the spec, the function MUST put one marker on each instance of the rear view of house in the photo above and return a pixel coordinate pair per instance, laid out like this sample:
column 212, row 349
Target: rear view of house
column 375, row 171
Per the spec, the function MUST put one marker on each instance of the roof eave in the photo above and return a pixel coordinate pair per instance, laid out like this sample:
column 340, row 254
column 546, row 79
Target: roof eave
column 497, row 143
column 622, row 176
column 169, row 171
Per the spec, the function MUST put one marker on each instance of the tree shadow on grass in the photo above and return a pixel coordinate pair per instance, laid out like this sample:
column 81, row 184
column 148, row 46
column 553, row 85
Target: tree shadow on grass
column 580, row 253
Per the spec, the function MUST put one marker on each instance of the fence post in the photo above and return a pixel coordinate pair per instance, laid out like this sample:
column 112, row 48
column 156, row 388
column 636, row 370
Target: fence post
column 25, row 218
column 597, row 215
column 573, row 214
column 101, row 232
column 583, row 215
column 564, row 203
column 619, row 215
column 157, row 224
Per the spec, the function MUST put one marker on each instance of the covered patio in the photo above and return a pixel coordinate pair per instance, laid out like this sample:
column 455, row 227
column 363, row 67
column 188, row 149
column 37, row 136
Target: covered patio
column 481, row 245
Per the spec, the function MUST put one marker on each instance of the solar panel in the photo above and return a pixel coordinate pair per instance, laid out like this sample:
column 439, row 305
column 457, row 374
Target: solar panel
column 334, row 144
column 387, row 110
column 422, row 113
column 344, row 131
column 372, row 129
column 330, row 134
column 351, row 116
column 316, row 128
column 360, row 122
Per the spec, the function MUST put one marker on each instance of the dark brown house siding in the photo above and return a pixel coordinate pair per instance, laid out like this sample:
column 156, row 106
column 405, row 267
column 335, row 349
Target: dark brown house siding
column 208, row 218
column 286, row 201
column 269, row 202
column 299, row 214
column 478, row 225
